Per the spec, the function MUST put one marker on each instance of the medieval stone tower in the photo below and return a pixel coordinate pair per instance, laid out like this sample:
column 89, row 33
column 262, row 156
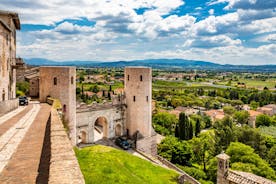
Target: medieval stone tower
column 138, row 83
column 60, row 83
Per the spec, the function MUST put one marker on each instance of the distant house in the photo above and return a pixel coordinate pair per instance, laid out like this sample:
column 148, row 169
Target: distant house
column 89, row 93
column 246, row 107
column 252, row 117
column 34, row 84
column 268, row 109
column 215, row 114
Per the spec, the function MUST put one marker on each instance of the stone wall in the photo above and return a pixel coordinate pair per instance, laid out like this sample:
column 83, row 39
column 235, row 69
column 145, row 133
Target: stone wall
column 8, row 105
column 184, row 176
column 64, row 167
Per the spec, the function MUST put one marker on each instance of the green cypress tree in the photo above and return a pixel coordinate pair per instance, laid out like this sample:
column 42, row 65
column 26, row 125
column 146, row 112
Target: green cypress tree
column 191, row 130
column 197, row 128
column 182, row 124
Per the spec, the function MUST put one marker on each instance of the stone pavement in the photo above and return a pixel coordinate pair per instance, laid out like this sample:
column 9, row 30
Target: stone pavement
column 21, row 146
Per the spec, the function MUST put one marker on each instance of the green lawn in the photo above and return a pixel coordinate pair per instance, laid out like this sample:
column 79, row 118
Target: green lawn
column 250, row 83
column 102, row 164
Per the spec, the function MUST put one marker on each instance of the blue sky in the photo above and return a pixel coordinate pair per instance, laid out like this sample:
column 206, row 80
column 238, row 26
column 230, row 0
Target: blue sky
column 221, row 31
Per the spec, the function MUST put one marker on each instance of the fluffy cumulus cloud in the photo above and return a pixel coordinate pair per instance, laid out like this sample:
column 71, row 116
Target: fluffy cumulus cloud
column 237, row 31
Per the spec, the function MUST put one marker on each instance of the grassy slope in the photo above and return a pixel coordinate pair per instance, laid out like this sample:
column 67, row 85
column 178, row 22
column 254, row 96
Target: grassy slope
column 102, row 164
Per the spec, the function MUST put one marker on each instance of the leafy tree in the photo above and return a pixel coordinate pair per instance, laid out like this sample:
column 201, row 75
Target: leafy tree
column 203, row 148
column 272, row 157
column 78, row 90
column 94, row 89
column 224, row 133
column 254, row 105
column 81, row 78
column 263, row 120
column 229, row 110
column 241, row 117
column 176, row 151
column 166, row 121
column 253, row 138
column 23, row 87
column 244, row 158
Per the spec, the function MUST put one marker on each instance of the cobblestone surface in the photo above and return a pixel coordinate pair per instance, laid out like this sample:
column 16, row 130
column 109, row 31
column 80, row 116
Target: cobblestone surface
column 11, row 114
column 13, row 118
column 23, row 165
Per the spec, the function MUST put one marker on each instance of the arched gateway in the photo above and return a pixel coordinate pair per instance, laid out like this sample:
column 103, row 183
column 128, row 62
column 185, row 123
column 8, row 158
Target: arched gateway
column 101, row 122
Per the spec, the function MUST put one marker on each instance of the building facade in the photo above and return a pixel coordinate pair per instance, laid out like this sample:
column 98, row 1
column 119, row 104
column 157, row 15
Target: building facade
column 9, row 23
column 60, row 83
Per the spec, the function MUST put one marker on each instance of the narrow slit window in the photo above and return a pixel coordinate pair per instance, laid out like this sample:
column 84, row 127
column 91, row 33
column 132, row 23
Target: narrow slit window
column 55, row 81
column 72, row 80
column 134, row 99
column 147, row 98
column 128, row 77
column 141, row 78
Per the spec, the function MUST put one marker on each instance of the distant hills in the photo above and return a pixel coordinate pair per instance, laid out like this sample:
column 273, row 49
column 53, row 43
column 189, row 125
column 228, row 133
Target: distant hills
column 166, row 64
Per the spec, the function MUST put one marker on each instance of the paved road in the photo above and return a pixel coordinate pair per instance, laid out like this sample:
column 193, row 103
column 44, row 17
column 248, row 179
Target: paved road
column 21, row 141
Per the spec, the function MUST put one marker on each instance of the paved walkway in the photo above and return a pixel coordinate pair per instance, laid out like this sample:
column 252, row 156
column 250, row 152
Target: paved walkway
column 21, row 144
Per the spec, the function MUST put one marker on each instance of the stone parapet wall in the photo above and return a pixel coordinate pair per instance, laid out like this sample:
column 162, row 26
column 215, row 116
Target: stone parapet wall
column 64, row 167
column 8, row 105
column 147, row 145
column 184, row 176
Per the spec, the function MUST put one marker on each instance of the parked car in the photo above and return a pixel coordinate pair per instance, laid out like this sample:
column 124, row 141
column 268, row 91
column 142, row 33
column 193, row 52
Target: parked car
column 120, row 141
column 23, row 100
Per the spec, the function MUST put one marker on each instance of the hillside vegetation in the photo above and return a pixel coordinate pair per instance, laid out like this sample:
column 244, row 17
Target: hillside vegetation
column 102, row 164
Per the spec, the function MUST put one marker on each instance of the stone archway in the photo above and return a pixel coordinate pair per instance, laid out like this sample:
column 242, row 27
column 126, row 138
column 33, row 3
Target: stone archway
column 118, row 130
column 100, row 128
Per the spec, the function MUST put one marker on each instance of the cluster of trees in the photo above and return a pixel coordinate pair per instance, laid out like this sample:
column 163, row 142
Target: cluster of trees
column 250, row 150
column 183, row 127
column 212, row 97
column 22, row 88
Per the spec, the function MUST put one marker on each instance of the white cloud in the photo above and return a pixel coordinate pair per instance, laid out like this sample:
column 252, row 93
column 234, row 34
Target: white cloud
column 211, row 11
column 213, row 41
column 118, row 32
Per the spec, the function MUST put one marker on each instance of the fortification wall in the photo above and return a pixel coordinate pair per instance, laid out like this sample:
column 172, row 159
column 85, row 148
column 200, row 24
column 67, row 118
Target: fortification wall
column 64, row 167
column 147, row 145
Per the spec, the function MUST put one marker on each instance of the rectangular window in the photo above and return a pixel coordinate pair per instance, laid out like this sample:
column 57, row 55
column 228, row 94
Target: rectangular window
column 55, row 81
column 141, row 78
column 134, row 99
column 128, row 77
column 147, row 98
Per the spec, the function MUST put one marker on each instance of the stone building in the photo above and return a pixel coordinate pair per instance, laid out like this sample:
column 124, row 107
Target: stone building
column 34, row 85
column 59, row 83
column 129, row 113
column 227, row 176
column 9, row 23
column 269, row 110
